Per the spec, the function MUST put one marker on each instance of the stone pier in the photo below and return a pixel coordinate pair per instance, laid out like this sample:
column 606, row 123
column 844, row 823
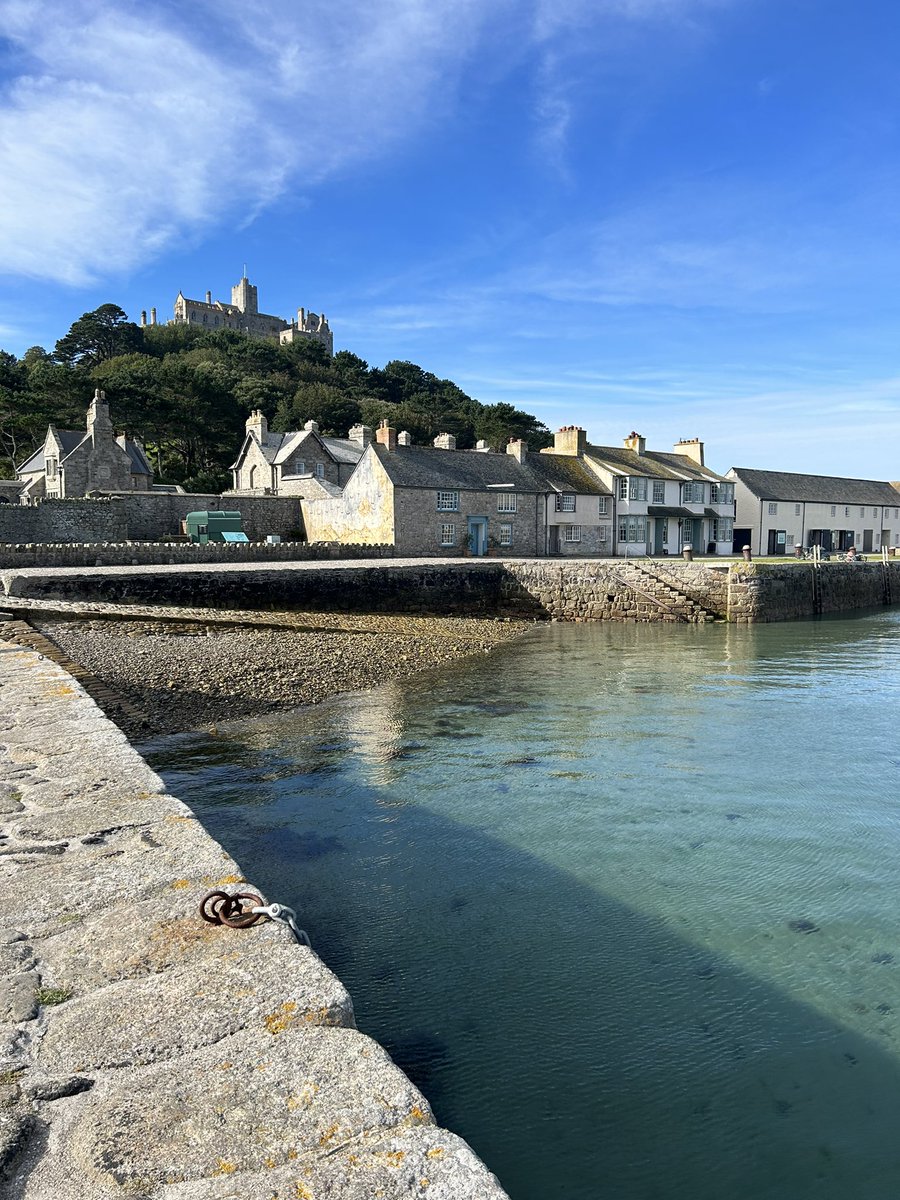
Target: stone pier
column 144, row 1052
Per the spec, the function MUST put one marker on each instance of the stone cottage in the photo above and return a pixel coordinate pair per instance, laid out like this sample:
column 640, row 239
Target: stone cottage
column 284, row 464
column 437, row 500
column 72, row 463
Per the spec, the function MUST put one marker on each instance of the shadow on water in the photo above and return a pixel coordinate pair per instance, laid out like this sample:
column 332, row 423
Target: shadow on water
column 585, row 1049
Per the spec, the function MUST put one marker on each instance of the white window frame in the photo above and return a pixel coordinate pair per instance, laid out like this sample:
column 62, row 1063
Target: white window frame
column 637, row 487
column 448, row 501
column 603, row 507
column 773, row 508
column 565, row 501
column 623, row 487
column 798, row 508
column 834, row 510
column 690, row 490
column 723, row 529
column 448, row 534
column 659, row 491
column 571, row 533
column 603, row 534
column 320, row 470
column 507, row 502
column 633, row 529
column 505, row 533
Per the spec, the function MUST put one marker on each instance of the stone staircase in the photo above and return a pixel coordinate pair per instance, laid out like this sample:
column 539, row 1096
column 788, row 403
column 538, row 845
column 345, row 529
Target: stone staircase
column 651, row 584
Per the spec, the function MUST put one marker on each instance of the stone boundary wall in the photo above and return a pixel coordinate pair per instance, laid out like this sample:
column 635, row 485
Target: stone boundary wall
column 145, row 1052
column 142, row 516
column 190, row 554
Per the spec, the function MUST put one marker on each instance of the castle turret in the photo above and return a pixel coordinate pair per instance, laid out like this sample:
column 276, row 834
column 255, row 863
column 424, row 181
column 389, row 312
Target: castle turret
column 244, row 298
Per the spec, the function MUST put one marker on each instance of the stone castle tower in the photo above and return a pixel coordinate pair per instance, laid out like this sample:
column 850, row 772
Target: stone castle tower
column 243, row 315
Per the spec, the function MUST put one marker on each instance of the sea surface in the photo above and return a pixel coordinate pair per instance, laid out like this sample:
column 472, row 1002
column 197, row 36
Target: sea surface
column 622, row 900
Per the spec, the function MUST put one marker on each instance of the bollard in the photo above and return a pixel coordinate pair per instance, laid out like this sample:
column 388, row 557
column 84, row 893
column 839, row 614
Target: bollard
column 746, row 553
column 687, row 553
column 798, row 550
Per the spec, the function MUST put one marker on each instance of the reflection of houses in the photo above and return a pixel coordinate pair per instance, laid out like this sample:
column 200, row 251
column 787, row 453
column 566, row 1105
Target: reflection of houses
column 778, row 510
column 663, row 502
column 72, row 463
column 440, row 500
column 282, row 463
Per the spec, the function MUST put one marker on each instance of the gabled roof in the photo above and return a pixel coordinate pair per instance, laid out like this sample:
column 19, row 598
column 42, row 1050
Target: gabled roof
column 478, row 471
column 652, row 463
column 816, row 489
column 344, row 450
column 67, row 438
column 135, row 452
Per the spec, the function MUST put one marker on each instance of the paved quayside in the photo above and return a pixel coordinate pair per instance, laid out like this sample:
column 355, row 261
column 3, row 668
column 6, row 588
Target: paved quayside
column 145, row 1052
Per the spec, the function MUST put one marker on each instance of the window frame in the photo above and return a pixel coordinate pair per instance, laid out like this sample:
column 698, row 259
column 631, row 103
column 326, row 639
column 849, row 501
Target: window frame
column 571, row 534
column 447, row 501
column 443, row 538
column 507, row 502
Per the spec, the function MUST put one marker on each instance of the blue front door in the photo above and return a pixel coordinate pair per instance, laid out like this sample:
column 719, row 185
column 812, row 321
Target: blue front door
column 478, row 527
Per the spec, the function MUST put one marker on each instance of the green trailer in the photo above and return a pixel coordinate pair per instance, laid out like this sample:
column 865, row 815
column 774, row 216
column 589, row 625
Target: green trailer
column 214, row 526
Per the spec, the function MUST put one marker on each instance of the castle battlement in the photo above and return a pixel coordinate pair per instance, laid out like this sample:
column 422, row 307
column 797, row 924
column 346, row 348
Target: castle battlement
column 243, row 315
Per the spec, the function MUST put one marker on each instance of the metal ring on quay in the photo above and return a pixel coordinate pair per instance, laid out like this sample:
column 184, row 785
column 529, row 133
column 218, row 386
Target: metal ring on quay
column 218, row 908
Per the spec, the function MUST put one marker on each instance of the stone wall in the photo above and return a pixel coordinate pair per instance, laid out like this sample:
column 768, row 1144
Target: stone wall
column 141, row 516
column 145, row 1051
column 787, row 591
column 191, row 554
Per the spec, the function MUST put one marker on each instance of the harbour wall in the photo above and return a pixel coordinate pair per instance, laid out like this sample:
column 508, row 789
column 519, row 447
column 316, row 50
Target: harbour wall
column 572, row 590
column 188, row 554
column 145, row 1052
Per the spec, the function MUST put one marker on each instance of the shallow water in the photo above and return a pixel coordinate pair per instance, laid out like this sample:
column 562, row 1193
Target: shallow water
column 621, row 899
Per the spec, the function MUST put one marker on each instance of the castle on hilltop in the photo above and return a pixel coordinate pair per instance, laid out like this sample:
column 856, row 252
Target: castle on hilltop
column 243, row 315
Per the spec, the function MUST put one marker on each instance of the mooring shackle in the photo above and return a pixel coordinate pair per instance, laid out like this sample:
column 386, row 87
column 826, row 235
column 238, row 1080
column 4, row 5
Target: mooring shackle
column 218, row 908
column 244, row 909
column 281, row 912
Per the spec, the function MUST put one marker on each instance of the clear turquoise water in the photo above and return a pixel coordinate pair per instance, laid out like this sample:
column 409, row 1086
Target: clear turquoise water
column 623, row 900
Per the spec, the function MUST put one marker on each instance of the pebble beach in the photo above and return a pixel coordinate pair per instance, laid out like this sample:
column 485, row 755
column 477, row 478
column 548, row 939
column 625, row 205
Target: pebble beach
column 173, row 678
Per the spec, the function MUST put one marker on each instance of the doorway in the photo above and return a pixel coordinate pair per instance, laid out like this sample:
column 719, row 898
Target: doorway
column 777, row 541
column 478, row 527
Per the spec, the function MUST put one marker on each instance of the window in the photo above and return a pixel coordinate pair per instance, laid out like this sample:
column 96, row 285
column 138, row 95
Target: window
column 448, row 535
column 505, row 534
column 299, row 466
column 604, row 534
column 52, row 465
column 320, row 471
column 897, row 512
column 506, row 502
column 693, row 493
column 565, row 502
column 797, row 510
column 623, row 488
column 834, row 510
column 846, row 512
column 862, row 511
column 604, row 506
column 572, row 533
column 874, row 512
column 633, row 529
column 723, row 529
column 773, row 509
column 448, row 501
column 721, row 493
column 659, row 492
column 637, row 488
column 790, row 540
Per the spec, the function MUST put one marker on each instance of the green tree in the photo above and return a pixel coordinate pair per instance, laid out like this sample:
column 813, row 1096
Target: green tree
column 333, row 409
column 103, row 333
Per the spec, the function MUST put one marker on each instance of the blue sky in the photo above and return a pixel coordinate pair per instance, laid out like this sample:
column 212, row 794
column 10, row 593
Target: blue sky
column 675, row 216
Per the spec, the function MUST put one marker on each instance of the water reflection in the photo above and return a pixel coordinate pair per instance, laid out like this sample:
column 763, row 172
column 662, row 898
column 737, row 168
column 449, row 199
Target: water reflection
column 668, row 972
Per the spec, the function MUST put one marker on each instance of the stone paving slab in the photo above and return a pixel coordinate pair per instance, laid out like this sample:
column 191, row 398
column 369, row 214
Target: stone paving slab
column 144, row 1052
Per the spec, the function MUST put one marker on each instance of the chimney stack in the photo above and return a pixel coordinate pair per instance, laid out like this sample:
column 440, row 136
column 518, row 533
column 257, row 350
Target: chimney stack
column 571, row 439
column 209, row 297
column 445, row 441
column 311, row 426
column 386, row 435
column 692, row 447
column 361, row 434
column 482, row 447
column 258, row 426
column 635, row 442
column 517, row 448
column 404, row 438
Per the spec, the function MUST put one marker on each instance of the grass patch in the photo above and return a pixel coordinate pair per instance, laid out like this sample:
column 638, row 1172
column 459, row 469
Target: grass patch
column 46, row 995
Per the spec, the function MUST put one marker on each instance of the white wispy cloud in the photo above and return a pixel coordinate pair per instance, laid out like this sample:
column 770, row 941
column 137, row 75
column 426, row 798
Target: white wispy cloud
column 122, row 128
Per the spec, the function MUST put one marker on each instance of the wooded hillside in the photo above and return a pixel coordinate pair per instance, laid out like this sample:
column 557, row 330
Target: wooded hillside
column 186, row 394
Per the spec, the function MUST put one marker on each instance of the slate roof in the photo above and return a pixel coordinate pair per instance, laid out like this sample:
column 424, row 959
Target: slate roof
column 139, row 463
column 278, row 447
column 816, row 489
column 478, row 471
column 68, row 438
column 652, row 463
